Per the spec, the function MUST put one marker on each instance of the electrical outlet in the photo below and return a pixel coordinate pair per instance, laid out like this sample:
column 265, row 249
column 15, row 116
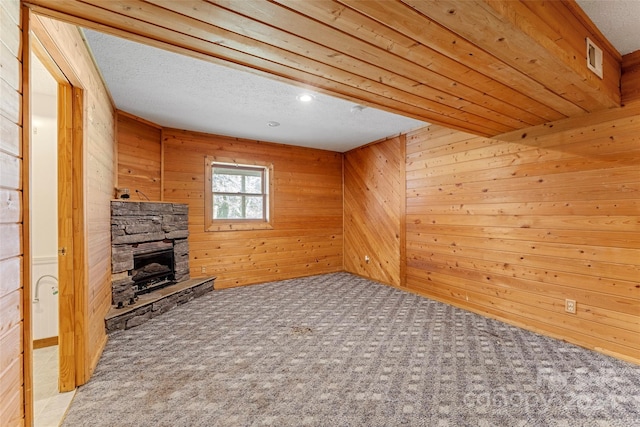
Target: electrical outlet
column 367, row 259
column 203, row 269
column 570, row 306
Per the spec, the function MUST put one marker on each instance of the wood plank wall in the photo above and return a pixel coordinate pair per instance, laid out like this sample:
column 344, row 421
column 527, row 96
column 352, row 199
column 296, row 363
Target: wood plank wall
column 306, row 238
column 630, row 81
column 139, row 156
column 374, row 210
column 99, row 163
column 11, row 250
column 511, row 228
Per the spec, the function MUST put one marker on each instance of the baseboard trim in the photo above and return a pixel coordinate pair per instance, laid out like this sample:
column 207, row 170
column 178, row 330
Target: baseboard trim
column 45, row 342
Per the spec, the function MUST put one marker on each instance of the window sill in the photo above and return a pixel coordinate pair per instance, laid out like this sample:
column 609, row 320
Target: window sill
column 239, row 225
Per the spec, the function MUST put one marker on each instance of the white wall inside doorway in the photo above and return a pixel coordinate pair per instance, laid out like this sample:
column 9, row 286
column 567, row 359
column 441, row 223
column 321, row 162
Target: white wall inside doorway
column 44, row 202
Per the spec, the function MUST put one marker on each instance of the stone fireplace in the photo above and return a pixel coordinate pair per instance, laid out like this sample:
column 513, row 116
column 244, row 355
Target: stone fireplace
column 149, row 248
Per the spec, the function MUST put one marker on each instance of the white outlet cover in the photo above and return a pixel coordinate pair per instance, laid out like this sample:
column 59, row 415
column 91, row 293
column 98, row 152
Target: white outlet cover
column 570, row 306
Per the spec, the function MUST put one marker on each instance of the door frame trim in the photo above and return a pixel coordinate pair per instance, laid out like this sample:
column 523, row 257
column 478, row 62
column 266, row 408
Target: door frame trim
column 72, row 292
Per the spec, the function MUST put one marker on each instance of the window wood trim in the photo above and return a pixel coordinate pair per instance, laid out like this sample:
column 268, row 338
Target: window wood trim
column 211, row 224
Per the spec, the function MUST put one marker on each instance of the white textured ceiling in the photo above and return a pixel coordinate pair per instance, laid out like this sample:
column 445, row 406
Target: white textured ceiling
column 185, row 93
column 618, row 20
column 181, row 92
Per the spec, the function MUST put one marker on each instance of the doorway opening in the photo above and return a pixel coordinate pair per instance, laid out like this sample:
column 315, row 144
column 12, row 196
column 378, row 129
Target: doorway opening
column 49, row 206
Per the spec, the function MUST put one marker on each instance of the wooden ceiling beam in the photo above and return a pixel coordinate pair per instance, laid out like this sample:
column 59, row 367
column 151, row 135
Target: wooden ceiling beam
column 462, row 77
column 349, row 43
column 281, row 37
column 516, row 34
column 483, row 66
column 436, row 37
column 391, row 87
column 221, row 46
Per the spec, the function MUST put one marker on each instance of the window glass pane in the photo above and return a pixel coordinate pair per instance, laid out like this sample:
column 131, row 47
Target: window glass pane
column 226, row 183
column 253, row 184
column 246, row 185
column 227, row 207
column 253, row 207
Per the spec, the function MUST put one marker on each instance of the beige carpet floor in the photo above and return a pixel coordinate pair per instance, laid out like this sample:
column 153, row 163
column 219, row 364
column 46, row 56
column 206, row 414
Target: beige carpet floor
column 339, row 350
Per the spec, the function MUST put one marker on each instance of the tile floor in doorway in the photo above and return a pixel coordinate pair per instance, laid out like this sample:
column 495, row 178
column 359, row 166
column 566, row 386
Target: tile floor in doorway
column 49, row 406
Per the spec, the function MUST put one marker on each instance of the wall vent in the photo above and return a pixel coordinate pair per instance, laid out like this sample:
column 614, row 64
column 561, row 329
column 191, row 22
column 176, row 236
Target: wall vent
column 594, row 58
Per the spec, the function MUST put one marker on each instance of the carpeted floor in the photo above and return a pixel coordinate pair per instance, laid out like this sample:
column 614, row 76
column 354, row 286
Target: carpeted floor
column 339, row 350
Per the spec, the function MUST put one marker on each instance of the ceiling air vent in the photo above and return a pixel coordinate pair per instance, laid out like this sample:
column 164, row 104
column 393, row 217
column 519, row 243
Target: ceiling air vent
column 594, row 58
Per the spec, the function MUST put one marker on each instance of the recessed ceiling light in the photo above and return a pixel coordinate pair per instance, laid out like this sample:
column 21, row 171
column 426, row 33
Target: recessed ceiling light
column 305, row 97
column 273, row 124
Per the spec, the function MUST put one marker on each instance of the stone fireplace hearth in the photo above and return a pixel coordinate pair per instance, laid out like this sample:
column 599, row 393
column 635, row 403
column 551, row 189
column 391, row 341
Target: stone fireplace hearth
column 147, row 231
column 149, row 262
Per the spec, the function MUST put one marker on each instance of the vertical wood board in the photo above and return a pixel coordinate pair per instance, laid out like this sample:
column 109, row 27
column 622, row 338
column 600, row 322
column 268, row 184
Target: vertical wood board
column 373, row 200
column 139, row 157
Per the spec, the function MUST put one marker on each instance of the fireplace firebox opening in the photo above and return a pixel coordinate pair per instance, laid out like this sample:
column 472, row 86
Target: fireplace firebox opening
column 153, row 270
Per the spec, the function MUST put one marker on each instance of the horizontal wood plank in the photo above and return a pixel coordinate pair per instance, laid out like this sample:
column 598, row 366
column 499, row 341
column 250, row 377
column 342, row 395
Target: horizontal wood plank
column 10, row 103
column 10, row 137
column 306, row 236
column 10, row 202
column 12, row 394
column 581, row 207
column 10, row 172
column 517, row 246
column 11, row 344
column 11, row 245
column 613, row 339
column 512, row 227
column 11, row 313
column 10, row 70
column 11, row 273
column 593, row 293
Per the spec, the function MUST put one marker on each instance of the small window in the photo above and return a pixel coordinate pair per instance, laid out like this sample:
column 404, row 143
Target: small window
column 238, row 196
column 239, row 192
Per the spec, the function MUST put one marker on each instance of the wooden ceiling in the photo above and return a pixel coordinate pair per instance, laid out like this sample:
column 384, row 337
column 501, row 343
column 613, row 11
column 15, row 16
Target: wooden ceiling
column 485, row 67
